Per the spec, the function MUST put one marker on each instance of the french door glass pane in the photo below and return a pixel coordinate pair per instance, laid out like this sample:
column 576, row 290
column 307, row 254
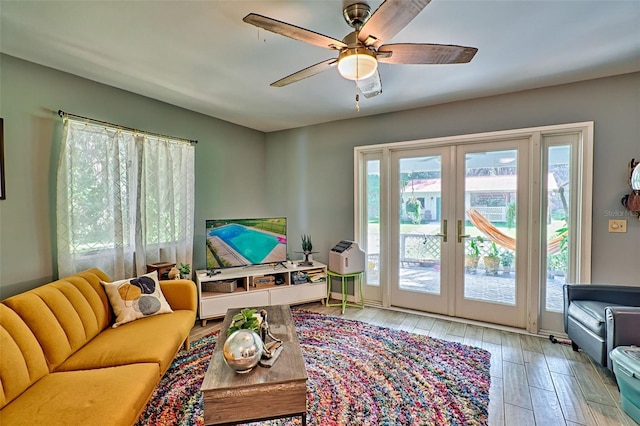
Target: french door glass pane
column 558, row 209
column 373, row 222
column 419, row 217
column 491, row 183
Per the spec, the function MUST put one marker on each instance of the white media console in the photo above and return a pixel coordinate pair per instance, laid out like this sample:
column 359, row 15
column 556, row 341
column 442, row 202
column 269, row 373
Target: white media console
column 245, row 287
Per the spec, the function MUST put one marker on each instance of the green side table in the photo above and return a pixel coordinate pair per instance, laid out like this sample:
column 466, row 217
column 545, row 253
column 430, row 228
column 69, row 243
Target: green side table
column 344, row 279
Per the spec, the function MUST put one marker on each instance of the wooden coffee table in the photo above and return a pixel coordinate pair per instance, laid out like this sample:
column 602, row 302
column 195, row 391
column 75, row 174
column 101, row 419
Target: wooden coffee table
column 263, row 393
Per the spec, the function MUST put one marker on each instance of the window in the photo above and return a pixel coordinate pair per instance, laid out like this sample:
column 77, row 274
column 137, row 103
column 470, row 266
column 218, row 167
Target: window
column 123, row 200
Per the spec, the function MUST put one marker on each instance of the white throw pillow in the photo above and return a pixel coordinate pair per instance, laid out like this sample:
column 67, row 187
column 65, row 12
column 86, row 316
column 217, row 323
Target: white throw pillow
column 136, row 298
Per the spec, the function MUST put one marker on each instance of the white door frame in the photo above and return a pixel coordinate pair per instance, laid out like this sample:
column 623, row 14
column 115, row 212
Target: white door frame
column 535, row 246
column 493, row 312
column 437, row 303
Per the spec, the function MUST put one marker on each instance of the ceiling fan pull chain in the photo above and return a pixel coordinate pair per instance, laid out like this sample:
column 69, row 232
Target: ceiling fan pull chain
column 356, row 80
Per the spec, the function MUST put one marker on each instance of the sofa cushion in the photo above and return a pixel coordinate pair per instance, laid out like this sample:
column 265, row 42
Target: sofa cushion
column 136, row 298
column 153, row 339
column 91, row 397
column 22, row 361
column 64, row 314
column 590, row 314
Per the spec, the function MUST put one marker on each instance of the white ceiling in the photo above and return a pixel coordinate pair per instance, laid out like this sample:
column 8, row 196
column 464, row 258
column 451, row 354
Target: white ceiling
column 199, row 55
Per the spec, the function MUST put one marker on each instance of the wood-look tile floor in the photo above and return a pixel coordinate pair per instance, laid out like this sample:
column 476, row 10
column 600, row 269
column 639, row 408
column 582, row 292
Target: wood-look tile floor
column 533, row 381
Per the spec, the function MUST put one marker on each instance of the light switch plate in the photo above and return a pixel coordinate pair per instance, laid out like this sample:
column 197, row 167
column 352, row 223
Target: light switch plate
column 617, row 225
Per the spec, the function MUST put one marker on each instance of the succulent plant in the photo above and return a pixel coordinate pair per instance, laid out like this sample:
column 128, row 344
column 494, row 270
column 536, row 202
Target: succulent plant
column 306, row 243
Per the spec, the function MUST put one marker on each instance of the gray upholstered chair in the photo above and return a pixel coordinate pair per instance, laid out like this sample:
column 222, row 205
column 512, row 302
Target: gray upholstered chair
column 599, row 317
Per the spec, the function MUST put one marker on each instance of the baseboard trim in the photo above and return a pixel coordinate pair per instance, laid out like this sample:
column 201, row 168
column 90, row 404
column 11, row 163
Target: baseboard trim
column 461, row 320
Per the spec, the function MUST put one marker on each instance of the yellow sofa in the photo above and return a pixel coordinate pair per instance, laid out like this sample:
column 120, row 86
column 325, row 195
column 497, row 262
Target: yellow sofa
column 61, row 362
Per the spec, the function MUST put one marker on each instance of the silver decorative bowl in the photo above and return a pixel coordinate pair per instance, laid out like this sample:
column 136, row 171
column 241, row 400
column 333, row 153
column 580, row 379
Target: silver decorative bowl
column 242, row 350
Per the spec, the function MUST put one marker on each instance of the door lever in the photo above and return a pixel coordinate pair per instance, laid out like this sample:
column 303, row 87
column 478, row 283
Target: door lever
column 444, row 233
column 460, row 234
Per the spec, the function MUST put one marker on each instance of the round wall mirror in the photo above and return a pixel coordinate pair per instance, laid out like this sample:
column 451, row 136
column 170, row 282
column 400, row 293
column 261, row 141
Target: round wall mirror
column 635, row 178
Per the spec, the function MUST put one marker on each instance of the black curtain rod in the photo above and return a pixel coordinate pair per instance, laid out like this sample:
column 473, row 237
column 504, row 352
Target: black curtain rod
column 93, row 120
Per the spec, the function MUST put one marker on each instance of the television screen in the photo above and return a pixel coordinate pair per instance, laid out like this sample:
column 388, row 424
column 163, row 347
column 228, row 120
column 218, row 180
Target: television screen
column 243, row 242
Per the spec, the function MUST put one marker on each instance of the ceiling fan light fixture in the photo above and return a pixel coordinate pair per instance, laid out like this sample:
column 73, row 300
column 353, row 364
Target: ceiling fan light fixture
column 357, row 63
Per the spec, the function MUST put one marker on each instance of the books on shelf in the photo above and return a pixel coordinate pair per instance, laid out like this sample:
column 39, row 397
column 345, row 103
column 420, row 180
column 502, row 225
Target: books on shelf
column 318, row 276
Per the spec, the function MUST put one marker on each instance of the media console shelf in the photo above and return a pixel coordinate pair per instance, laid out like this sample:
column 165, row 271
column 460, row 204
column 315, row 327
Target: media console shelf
column 244, row 287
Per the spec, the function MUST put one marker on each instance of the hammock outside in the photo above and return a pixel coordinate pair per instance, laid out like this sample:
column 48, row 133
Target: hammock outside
column 497, row 236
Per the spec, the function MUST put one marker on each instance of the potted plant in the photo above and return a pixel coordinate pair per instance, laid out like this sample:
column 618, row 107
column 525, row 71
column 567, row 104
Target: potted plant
column 248, row 319
column 472, row 255
column 491, row 260
column 506, row 259
column 307, row 250
column 185, row 271
column 306, row 244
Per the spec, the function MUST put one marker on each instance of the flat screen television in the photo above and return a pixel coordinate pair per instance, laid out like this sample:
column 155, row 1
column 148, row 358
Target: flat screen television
column 244, row 242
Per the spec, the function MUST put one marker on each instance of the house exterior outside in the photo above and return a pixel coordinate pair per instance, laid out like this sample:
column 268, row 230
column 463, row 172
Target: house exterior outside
column 490, row 195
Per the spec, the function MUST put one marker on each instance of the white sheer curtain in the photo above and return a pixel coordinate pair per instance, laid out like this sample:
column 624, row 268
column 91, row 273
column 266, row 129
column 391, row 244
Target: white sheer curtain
column 123, row 200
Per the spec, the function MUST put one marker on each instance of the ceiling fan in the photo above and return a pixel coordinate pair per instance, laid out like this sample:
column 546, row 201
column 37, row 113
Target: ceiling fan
column 361, row 50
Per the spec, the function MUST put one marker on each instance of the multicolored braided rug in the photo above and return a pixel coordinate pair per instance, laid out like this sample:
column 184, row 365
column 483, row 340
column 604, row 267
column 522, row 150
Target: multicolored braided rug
column 359, row 374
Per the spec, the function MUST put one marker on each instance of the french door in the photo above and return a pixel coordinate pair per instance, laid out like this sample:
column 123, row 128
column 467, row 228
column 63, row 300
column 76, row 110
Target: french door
column 485, row 227
column 447, row 256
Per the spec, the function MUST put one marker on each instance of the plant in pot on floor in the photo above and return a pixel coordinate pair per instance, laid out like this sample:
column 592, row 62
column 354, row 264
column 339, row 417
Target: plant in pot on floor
column 472, row 255
column 491, row 260
column 506, row 260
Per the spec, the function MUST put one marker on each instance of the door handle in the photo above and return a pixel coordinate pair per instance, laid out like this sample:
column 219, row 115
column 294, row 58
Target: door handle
column 461, row 236
column 444, row 233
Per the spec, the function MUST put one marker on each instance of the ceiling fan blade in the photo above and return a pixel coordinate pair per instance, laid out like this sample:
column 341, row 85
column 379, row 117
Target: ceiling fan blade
column 307, row 72
column 371, row 86
column 293, row 32
column 407, row 53
column 387, row 21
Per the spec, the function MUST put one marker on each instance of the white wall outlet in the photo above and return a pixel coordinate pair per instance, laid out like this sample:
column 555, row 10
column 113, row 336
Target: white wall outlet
column 617, row 225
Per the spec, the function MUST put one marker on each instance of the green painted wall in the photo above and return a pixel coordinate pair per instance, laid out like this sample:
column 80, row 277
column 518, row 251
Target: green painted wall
column 230, row 161
column 317, row 188
column 305, row 174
